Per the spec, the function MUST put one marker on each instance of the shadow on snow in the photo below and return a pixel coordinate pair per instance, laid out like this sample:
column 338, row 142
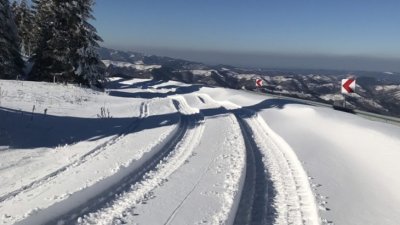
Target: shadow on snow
column 24, row 130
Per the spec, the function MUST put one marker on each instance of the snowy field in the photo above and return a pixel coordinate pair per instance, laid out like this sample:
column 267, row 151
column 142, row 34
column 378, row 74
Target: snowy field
column 151, row 152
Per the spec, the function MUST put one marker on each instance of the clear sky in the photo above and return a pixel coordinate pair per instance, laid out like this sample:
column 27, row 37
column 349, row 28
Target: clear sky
column 337, row 34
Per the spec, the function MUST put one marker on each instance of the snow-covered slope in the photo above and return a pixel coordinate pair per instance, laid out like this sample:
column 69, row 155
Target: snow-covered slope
column 190, row 155
column 138, row 65
column 352, row 162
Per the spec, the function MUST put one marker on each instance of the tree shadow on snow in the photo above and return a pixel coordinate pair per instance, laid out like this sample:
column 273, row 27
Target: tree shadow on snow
column 150, row 95
column 117, row 84
column 249, row 111
column 273, row 103
column 24, row 130
column 28, row 131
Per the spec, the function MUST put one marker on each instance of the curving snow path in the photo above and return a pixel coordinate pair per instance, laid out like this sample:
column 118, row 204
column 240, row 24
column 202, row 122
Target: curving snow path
column 184, row 154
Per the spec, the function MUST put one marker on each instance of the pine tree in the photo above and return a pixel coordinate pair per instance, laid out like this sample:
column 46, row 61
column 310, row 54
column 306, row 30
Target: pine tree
column 66, row 42
column 40, row 10
column 11, row 63
column 24, row 21
column 42, row 31
column 88, row 67
column 52, row 53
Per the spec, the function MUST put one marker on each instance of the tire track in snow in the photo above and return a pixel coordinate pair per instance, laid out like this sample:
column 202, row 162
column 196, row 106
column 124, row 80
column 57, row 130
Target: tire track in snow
column 173, row 214
column 293, row 200
column 110, row 198
column 256, row 197
column 234, row 180
column 144, row 112
column 289, row 198
column 256, row 193
column 173, row 155
column 209, row 183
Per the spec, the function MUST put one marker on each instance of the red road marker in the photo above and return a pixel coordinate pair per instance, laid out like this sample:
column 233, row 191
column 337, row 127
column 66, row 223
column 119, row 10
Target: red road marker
column 259, row 82
column 348, row 86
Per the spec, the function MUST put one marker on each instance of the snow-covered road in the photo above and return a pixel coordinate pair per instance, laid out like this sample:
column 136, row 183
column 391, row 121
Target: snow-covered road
column 150, row 152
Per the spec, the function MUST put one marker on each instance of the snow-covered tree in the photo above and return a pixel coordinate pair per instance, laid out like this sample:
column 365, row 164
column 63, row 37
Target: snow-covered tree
column 52, row 53
column 88, row 67
column 25, row 21
column 11, row 63
column 41, row 13
column 67, row 43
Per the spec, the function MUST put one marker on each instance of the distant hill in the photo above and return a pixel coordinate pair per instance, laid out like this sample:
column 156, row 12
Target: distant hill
column 377, row 92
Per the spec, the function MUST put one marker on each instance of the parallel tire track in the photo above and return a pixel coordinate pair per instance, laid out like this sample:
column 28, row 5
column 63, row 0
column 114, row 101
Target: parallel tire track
column 156, row 171
column 133, row 180
column 276, row 189
column 257, row 192
column 144, row 112
column 289, row 199
column 256, row 199
column 253, row 197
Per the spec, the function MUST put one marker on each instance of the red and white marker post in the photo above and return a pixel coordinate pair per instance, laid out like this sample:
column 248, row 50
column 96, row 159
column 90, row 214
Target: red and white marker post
column 259, row 82
column 348, row 87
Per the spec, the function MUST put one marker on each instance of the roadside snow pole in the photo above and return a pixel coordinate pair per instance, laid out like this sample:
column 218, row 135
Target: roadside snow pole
column 54, row 79
column 33, row 111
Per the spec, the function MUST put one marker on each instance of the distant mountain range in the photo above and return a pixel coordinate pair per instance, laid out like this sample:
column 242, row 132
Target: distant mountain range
column 377, row 92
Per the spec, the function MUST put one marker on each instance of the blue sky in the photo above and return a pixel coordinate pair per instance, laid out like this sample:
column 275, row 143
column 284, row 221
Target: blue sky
column 338, row 34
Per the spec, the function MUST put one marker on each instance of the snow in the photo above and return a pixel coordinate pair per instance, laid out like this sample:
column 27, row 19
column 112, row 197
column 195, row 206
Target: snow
column 138, row 192
column 372, row 103
column 334, row 97
column 209, row 186
column 202, row 72
column 136, row 66
column 351, row 161
column 397, row 95
column 182, row 151
column 319, row 77
column 387, row 87
column 281, row 79
column 246, row 76
column 352, row 158
column 93, row 168
column 293, row 195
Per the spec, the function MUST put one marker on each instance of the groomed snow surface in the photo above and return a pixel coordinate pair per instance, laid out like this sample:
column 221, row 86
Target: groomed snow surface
column 151, row 152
